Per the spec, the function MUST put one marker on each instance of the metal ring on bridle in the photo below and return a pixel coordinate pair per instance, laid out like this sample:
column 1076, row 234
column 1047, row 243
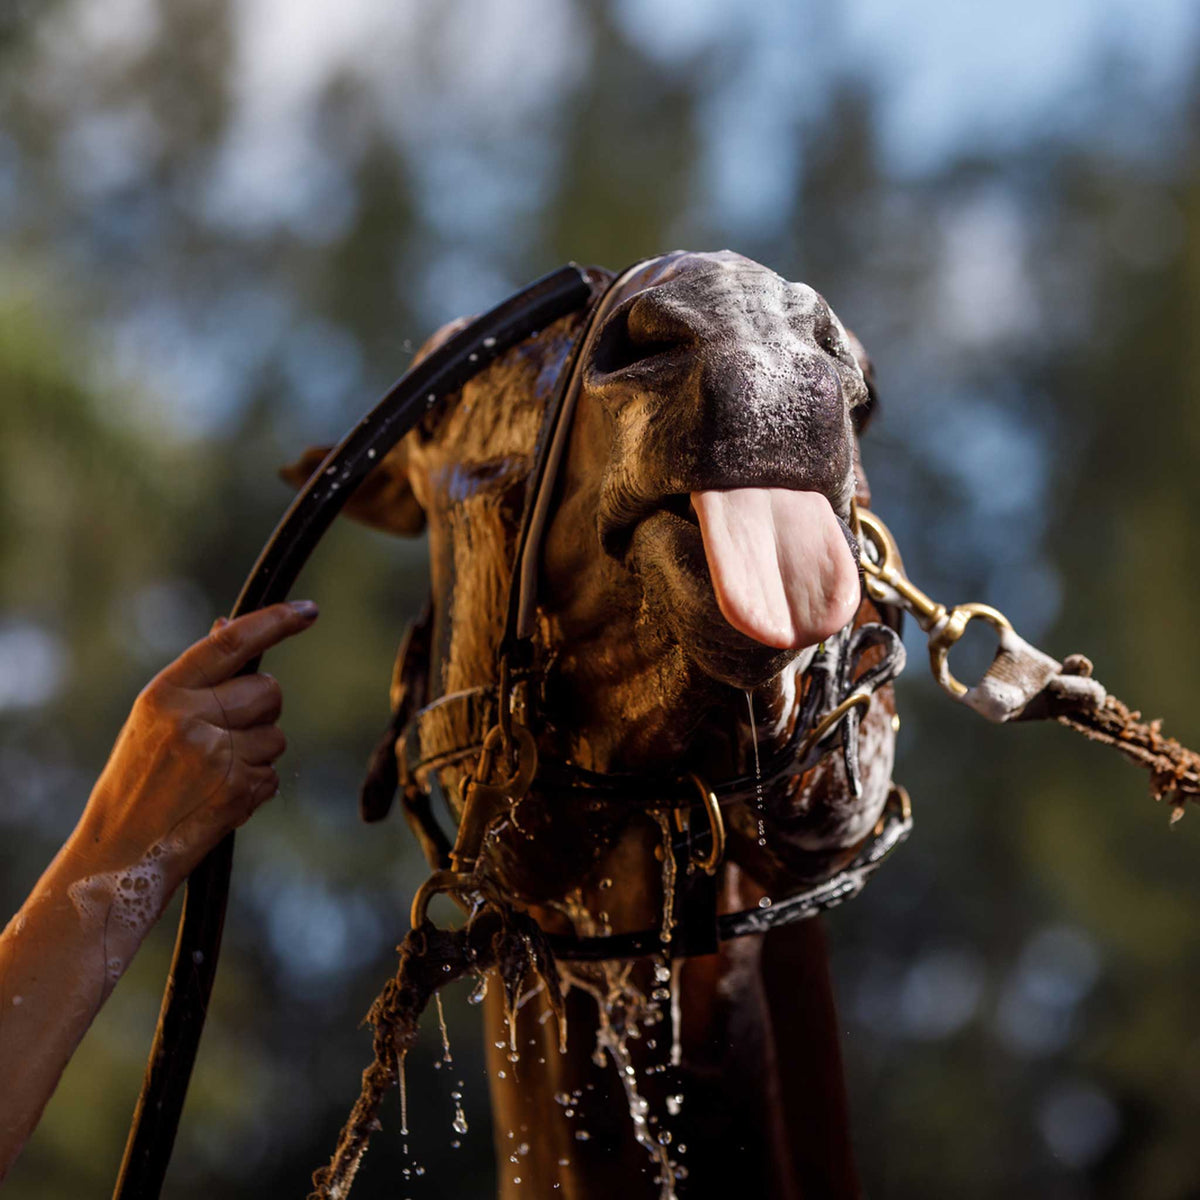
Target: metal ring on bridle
column 716, row 824
column 437, row 884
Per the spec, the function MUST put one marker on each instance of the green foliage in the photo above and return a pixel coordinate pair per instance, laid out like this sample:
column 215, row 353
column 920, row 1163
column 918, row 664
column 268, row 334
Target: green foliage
column 161, row 355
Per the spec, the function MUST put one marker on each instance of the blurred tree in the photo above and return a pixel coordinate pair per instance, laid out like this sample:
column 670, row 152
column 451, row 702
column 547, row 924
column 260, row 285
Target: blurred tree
column 224, row 228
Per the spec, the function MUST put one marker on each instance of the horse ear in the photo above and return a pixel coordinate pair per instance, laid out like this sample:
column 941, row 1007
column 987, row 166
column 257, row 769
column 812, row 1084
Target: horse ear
column 384, row 500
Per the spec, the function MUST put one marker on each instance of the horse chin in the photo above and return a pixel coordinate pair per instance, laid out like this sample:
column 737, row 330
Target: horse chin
column 667, row 552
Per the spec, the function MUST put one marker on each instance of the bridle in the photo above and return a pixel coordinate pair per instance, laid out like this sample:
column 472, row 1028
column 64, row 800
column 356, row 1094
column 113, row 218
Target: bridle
column 830, row 716
column 837, row 694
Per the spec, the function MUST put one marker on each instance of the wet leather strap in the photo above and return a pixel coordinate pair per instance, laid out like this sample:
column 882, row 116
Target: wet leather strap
column 894, row 826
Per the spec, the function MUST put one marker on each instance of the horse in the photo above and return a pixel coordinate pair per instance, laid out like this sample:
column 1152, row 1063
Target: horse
column 696, row 565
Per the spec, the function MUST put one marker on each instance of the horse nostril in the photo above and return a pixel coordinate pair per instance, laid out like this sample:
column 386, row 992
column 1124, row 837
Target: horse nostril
column 639, row 329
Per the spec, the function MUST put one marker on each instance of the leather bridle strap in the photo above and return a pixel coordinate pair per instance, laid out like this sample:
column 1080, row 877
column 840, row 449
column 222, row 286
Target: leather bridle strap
column 894, row 826
column 552, row 446
column 193, row 969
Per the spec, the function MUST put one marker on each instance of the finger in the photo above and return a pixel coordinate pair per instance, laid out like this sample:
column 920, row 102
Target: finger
column 261, row 745
column 231, row 646
column 256, row 786
column 246, row 700
column 261, row 784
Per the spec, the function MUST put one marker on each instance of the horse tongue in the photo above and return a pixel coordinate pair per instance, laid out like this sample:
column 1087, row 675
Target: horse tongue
column 780, row 565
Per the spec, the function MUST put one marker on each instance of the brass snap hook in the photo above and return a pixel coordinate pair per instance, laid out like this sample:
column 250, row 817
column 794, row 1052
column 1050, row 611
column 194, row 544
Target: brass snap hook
column 955, row 625
column 885, row 579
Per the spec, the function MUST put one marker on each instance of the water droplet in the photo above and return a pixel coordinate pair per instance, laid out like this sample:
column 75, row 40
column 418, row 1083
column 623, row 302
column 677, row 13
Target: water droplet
column 765, row 902
column 582, row 1135
column 403, row 1095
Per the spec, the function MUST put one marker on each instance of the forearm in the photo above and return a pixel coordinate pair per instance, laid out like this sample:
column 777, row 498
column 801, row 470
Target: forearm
column 60, row 957
column 192, row 762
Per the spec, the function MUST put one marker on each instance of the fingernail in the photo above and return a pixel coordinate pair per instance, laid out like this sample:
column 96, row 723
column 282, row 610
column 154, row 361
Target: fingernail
column 306, row 608
column 220, row 623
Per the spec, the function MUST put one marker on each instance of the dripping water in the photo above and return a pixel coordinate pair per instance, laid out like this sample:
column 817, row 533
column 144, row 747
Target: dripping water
column 403, row 1095
column 621, row 1007
column 758, row 787
column 459, row 1124
column 668, row 879
column 479, row 991
column 639, row 1109
column 676, row 1013
column 446, row 1056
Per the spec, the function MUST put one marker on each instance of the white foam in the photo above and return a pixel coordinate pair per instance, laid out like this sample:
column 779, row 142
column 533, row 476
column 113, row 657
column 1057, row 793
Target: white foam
column 132, row 899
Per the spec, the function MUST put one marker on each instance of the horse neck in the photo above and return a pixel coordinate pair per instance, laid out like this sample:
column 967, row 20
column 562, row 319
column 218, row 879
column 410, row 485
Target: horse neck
column 733, row 1066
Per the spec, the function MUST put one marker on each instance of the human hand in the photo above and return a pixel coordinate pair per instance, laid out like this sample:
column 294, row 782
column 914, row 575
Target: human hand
column 194, row 759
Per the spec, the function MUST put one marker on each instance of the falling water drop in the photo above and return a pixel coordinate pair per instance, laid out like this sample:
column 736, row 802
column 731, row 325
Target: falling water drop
column 459, row 1124
column 676, row 1013
column 668, row 879
column 446, row 1056
column 479, row 991
column 758, row 787
column 403, row 1094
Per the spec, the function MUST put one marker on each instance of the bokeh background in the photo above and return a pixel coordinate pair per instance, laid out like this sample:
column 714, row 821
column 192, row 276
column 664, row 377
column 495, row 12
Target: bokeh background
column 225, row 225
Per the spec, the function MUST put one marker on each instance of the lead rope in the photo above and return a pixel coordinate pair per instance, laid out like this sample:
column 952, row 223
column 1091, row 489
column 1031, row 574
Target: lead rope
column 1024, row 683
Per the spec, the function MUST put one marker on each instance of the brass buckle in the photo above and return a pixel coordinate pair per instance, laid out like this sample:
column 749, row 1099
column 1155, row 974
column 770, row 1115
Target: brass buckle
column 483, row 801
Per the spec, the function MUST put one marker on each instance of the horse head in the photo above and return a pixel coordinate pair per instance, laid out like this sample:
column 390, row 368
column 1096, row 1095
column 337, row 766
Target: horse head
column 697, row 560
